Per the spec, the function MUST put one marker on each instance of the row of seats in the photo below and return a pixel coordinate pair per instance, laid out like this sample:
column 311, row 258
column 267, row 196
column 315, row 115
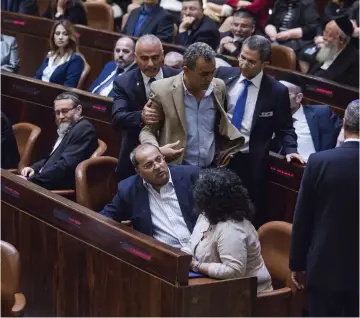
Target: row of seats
column 275, row 245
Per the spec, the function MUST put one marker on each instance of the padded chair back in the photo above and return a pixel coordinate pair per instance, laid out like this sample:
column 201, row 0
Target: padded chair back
column 95, row 181
column 84, row 74
column 284, row 57
column 26, row 135
column 100, row 15
column 100, row 150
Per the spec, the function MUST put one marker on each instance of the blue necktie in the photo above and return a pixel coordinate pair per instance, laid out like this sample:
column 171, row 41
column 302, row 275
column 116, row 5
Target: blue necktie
column 151, row 80
column 108, row 81
column 240, row 106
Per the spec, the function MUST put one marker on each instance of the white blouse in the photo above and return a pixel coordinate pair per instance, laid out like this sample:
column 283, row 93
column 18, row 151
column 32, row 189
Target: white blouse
column 231, row 250
column 50, row 69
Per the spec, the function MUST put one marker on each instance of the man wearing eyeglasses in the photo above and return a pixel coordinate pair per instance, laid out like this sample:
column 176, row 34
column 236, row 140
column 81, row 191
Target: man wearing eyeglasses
column 77, row 140
column 258, row 106
column 158, row 200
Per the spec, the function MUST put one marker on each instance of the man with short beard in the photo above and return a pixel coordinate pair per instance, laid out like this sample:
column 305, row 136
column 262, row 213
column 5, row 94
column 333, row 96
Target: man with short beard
column 337, row 60
column 77, row 140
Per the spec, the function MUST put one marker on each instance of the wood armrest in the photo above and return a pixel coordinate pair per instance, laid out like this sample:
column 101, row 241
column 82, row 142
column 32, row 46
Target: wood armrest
column 13, row 171
column 68, row 193
column 18, row 309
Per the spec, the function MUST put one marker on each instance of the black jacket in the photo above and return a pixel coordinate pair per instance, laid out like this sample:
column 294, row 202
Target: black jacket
column 159, row 22
column 58, row 169
column 325, row 233
column 344, row 70
column 75, row 13
column 129, row 99
column 207, row 31
column 10, row 156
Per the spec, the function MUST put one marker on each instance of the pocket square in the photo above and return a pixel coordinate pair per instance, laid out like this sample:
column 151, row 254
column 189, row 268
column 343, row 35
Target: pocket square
column 266, row 114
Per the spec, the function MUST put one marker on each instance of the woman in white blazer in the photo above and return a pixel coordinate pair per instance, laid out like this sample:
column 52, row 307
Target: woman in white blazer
column 224, row 243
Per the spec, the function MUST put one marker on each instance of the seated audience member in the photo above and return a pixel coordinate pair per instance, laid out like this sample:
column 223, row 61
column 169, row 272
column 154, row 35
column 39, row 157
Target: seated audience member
column 193, row 128
column 220, row 62
column 10, row 156
column 174, row 60
column 158, row 200
column 316, row 126
column 72, row 10
column 293, row 23
column 242, row 26
column 63, row 64
column 29, row 7
column 195, row 27
column 324, row 253
column 76, row 142
column 224, row 243
column 354, row 18
column 150, row 18
column 9, row 54
column 131, row 90
column 337, row 60
column 124, row 61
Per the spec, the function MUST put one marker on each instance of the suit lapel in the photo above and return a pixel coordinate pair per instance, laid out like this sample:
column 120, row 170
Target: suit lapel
column 178, row 99
column 312, row 121
column 339, row 65
column 261, row 100
column 143, row 212
column 151, row 16
column 132, row 21
column 140, row 92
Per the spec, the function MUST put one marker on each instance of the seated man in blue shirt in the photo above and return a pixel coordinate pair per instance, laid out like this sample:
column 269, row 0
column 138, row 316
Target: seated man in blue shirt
column 158, row 200
column 124, row 61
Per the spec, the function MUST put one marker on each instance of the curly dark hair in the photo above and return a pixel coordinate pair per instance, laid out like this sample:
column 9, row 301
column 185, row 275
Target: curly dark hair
column 220, row 195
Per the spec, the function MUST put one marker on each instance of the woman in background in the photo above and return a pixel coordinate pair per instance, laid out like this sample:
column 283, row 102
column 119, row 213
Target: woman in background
column 63, row 64
column 224, row 243
column 72, row 10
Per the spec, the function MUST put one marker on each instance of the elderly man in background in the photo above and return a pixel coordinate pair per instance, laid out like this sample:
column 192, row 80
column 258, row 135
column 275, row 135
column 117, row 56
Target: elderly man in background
column 76, row 142
column 337, row 59
column 174, row 60
column 124, row 61
column 324, row 253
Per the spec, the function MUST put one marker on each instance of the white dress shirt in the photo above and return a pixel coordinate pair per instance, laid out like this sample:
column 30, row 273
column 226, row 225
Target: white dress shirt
column 232, row 96
column 146, row 80
column 168, row 222
column 302, row 130
column 231, row 249
column 50, row 69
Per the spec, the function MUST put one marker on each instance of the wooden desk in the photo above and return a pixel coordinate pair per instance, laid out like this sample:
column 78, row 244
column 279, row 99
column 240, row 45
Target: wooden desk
column 75, row 262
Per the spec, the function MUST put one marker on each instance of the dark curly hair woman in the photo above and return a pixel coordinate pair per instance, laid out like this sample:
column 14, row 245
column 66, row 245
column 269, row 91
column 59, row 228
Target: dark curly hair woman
column 224, row 243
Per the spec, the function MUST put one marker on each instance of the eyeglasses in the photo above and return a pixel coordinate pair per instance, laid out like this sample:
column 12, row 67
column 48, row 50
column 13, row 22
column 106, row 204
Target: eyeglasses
column 151, row 164
column 250, row 64
column 64, row 111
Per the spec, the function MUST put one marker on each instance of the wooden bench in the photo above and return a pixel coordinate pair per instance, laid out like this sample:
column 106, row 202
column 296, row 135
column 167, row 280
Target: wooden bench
column 75, row 262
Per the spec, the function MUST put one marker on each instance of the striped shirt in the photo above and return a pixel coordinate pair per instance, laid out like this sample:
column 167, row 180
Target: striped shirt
column 285, row 22
column 168, row 222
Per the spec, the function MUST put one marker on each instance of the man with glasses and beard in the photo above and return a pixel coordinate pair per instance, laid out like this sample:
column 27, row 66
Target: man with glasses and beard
column 337, row 59
column 77, row 140
column 258, row 106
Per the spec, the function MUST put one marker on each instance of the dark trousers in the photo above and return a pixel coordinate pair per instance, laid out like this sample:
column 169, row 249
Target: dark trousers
column 328, row 303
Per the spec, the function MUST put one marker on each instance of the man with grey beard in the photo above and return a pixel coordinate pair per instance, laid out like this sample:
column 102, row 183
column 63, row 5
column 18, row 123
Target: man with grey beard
column 77, row 140
column 337, row 59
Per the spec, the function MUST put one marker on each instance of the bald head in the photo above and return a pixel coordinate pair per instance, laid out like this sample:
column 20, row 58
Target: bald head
column 124, row 52
column 149, row 54
column 174, row 59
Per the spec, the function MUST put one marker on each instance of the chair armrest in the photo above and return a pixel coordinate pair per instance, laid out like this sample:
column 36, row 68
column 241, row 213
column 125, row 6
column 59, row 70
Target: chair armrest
column 18, row 309
column 13, row 171
column 69, row 193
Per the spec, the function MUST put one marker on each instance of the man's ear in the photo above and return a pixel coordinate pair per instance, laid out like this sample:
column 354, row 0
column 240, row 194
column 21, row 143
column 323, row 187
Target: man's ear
column 299, row 97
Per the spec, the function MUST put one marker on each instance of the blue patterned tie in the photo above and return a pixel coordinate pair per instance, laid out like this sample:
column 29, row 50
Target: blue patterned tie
column 108, row 81
column 239, row 110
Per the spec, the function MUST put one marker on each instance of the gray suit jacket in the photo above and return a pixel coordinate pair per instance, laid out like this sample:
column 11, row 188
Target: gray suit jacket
column 9, row 54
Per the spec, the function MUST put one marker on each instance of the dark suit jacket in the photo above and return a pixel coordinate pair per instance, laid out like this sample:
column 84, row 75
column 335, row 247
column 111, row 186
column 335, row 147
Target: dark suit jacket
column 159, row 22
column 273, row 98
column 207, row 31
column 325, row 234
column 10, row 156
column 344, row 70
column 129, row 99
column 132, row 201
column 67, row 74
column 58, row 169
column 29, row 7
column 75, row 13
column 106, row 71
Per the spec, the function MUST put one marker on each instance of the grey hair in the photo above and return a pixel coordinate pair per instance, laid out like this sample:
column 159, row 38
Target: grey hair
column 173, row 57
column 261, row 44
column 195, row 50
column 140, row 147
column 352, row 117
column 148, row 39
column 69, row 95
column 244, row 15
